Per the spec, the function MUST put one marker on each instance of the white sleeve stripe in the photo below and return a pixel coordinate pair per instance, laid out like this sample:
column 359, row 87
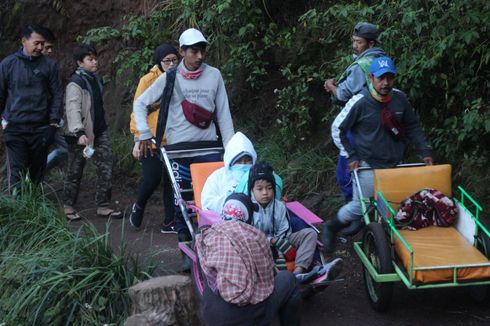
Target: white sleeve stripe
column 338, row 121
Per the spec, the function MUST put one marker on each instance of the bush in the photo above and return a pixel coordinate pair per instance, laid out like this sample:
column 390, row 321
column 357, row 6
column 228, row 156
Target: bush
column 52, row 276
column 275, row 57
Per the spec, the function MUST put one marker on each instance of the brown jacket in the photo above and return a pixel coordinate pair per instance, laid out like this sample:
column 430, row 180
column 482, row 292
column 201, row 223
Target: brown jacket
column 78, row 110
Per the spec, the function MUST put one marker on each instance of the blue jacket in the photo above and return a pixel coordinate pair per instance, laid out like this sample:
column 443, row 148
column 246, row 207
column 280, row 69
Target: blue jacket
column 30, row 90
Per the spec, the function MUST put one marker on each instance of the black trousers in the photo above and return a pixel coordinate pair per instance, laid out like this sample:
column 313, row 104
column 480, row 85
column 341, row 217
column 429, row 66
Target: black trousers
column 153, row 170
column 27, row 150
column 284, row 301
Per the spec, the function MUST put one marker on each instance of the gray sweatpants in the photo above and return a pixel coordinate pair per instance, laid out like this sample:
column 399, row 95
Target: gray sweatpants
column 352, row 210
column 305, row 243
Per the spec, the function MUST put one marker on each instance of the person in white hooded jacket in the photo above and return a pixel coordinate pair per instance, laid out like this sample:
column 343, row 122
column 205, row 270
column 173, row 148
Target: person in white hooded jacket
column 239, row 157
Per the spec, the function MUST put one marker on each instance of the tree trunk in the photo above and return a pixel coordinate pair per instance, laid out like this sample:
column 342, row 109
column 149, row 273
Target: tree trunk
column 165, row 300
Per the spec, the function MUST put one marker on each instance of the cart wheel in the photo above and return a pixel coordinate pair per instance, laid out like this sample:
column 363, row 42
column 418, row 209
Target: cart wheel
column 377, row 249
column 481, row 293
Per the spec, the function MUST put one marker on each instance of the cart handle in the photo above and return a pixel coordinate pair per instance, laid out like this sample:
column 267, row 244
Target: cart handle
column 198, row 146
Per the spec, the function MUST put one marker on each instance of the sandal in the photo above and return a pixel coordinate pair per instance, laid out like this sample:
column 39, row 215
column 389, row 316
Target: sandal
column 108, row 212
column 70, row 213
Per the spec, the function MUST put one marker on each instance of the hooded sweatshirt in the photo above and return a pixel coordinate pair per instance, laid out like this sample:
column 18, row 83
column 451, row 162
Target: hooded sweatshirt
column 222, row 182
column 272, row 219
column 354, row 78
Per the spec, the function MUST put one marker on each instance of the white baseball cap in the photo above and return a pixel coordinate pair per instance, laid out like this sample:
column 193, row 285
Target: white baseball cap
column 190, row 37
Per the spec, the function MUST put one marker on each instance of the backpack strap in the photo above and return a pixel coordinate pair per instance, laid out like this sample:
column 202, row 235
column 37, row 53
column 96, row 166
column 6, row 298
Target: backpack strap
column 364, row 63
column 164, row 104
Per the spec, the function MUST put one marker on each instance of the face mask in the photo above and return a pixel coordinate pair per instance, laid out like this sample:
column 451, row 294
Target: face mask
column 238, row 170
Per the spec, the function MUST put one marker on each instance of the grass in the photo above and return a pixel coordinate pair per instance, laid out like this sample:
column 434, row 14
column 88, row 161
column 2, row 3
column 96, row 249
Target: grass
column 50, row 275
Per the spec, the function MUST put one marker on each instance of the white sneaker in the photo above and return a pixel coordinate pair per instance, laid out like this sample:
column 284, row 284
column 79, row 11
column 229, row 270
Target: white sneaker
column 332, row 269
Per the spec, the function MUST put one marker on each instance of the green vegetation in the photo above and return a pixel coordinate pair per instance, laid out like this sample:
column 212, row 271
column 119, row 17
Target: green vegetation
column 275, row 56
column 54, row 276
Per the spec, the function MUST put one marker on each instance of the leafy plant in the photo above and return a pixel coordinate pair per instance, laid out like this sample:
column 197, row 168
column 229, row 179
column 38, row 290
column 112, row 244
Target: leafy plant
column 52, row 276
column 275, row 57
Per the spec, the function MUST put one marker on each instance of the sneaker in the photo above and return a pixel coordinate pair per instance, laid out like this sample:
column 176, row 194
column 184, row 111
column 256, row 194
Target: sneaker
column 167, row 229
column 304, row 278
column 136, row 216
column 332, row 269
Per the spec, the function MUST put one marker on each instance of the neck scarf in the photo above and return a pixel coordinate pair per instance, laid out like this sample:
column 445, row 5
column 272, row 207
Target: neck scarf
column 85, row 73
column 385, row 99
column 191, row 74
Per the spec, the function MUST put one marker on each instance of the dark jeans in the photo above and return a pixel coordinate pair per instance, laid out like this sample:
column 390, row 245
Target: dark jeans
column 181, row 171
column 285, row 300
column 153, row 170
column 27, row 150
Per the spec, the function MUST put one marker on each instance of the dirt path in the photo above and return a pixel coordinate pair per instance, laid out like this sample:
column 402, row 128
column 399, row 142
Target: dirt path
column 343, row 303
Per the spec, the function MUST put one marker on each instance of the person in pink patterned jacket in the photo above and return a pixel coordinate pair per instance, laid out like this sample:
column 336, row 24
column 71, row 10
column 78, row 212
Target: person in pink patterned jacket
column 242, row 285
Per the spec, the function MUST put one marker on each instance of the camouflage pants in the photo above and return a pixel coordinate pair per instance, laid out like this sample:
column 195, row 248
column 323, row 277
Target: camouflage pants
column 102, row 159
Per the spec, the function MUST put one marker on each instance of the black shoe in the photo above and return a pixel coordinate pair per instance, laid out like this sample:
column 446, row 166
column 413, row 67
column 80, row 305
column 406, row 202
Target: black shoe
column 136, row 216
column 167, row 229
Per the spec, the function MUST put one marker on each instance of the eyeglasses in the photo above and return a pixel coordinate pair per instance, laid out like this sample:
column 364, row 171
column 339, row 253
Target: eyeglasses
column 169, row 61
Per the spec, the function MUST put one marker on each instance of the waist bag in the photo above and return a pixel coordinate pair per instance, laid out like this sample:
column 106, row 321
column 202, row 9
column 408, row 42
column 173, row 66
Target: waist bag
column 391, row 124
column 196, row 115
column 424, row 208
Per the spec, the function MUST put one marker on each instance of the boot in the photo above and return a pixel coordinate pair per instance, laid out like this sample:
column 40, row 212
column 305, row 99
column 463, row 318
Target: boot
column 329, row 234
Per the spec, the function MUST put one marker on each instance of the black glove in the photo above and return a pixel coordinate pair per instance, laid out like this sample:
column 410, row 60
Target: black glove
column 48, row 135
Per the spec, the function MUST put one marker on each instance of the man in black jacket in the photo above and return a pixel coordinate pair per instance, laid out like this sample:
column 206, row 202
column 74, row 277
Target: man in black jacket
column 30, row 104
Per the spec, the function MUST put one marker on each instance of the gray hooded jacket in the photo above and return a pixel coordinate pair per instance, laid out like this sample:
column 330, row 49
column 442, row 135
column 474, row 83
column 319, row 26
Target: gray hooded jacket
column 353, row 79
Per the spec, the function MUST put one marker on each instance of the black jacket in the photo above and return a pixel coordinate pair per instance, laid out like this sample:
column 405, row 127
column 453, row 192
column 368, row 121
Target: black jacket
column 30, row 90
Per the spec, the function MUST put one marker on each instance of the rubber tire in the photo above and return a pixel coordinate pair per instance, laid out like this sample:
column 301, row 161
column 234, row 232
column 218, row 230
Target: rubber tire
column 481, row 293
column 377, row 248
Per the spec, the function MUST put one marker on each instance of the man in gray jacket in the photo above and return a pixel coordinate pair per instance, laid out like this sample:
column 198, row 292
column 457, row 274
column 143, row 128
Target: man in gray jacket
column 199, row 94
column 380, row 119
column 365, row 43
column 30, row 104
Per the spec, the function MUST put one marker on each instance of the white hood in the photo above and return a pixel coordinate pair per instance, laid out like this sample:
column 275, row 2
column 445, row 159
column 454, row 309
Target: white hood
column 238, row 146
